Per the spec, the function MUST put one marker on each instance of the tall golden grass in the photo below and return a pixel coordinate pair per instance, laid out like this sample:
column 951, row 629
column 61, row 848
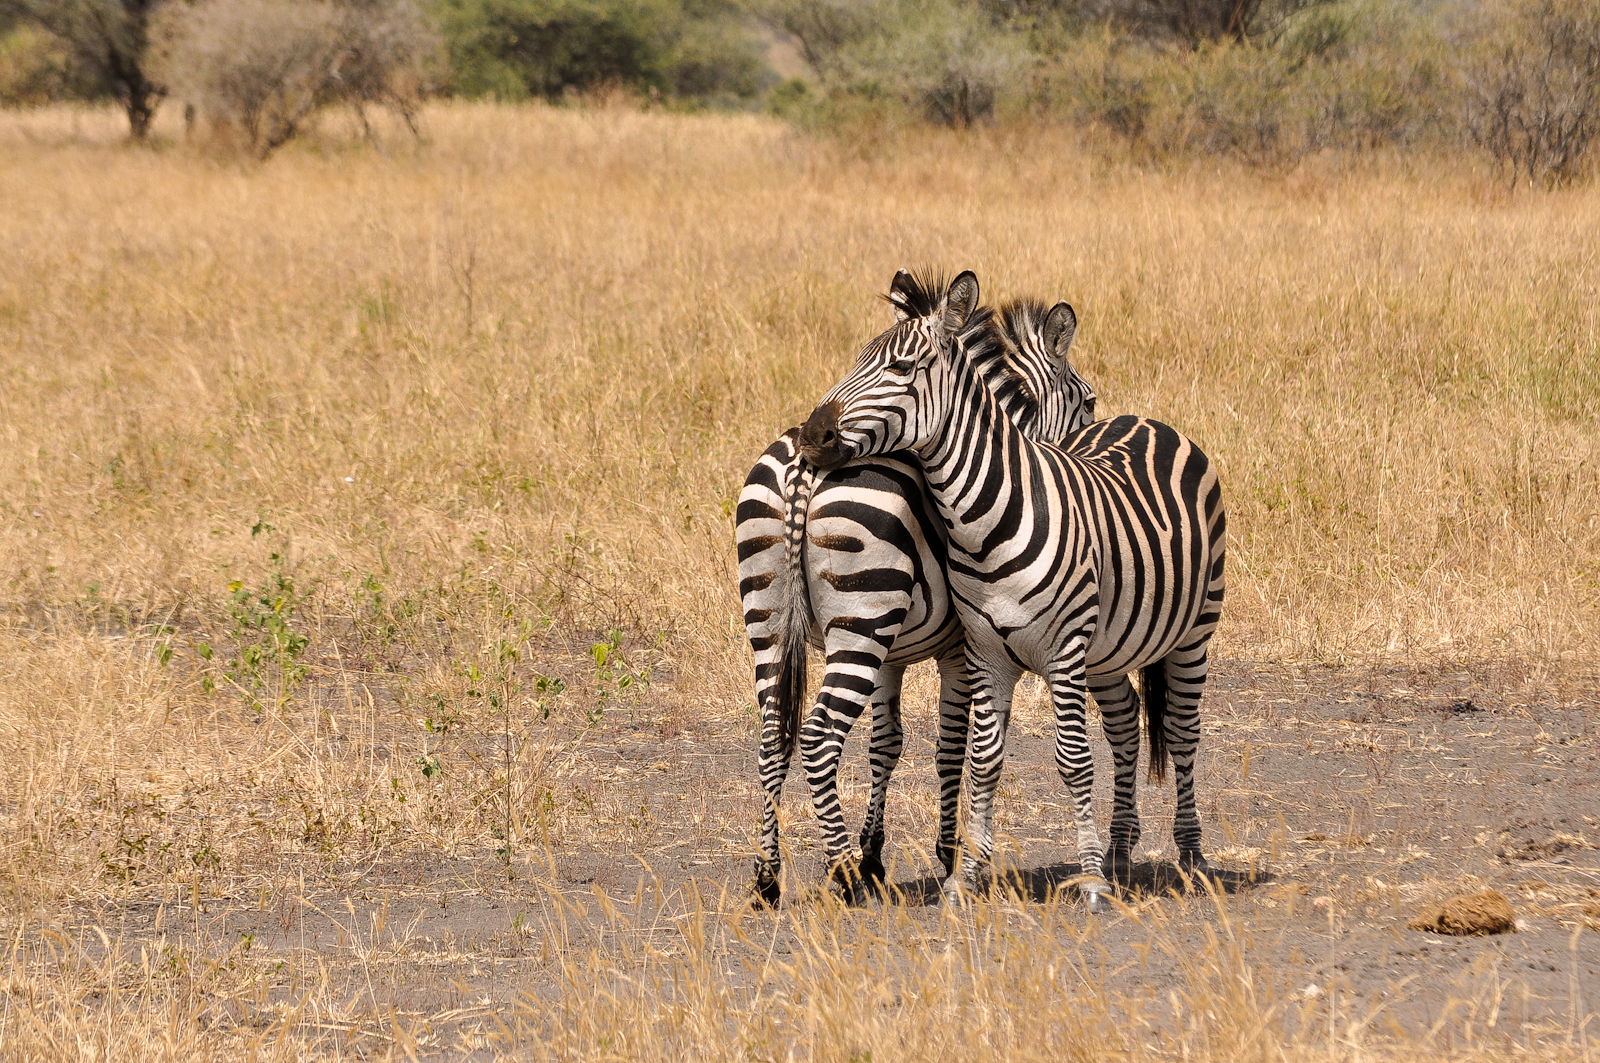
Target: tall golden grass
column 495, row 393
column 551, row 342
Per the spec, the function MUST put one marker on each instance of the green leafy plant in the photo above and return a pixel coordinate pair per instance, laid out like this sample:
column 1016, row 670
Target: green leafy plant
column 376, row 616
column 493, row 683
column 164, row 648
column 266, row 667
column 614, row 675
column 549, row 690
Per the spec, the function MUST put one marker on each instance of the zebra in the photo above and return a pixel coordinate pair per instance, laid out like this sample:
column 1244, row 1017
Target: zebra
column 1081, row 562
column 852, row 561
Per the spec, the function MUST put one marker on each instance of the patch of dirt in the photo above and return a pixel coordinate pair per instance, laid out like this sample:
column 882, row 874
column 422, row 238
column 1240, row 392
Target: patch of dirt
column 1336, row 806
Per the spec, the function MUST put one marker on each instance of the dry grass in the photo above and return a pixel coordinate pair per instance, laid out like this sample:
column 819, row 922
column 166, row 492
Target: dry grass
column 495, row 396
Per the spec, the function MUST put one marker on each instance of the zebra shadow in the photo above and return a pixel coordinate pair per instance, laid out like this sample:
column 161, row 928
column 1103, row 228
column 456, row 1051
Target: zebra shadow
column 1059, row 881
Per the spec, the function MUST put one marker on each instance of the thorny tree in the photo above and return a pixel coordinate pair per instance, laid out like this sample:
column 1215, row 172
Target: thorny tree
column 110, row 41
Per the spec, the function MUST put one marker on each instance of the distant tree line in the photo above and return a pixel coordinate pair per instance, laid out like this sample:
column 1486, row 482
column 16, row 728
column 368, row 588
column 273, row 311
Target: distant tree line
column 1268, row 81
column 264, row 67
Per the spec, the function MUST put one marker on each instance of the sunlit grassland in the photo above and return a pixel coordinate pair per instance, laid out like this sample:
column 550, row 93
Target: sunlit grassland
column 543, row 349
column 425, row 422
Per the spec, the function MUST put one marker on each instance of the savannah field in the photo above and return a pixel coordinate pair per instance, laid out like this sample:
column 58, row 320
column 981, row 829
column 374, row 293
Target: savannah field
column 372, row 678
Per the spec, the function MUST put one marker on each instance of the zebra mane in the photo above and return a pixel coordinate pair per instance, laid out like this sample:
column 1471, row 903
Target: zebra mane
column 1003, row 344
column 1022, row 317
column 922, row 295
column 993, row 343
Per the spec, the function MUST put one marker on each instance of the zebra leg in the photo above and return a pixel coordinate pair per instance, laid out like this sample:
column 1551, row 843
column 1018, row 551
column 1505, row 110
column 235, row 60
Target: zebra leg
column 955, row 701
column 1185, row 671
column 992, row 687
column 846, row 689
column 773, row 765
column 1075, row 763
column 772, row 610
column 888, row 740
column 1119, row 715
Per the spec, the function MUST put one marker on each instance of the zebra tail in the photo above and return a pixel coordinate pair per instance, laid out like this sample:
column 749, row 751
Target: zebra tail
column 795, row 608
column 791, row 690
column 1155, row 717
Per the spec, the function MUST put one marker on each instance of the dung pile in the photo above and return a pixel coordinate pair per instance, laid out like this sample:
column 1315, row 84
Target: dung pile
column 1471, row 914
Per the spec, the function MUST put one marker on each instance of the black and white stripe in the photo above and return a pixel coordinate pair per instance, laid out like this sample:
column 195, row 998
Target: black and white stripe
column 853, row 562
column 1082, row 562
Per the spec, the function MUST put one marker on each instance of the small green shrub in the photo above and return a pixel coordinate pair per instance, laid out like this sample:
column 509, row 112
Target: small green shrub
column 265, row 639
column 614, row 674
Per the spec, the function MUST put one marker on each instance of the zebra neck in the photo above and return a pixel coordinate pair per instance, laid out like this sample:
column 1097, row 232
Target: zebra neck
column 981, row 471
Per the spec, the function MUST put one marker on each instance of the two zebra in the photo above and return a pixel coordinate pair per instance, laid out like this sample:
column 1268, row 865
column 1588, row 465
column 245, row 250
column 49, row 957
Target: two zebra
column 855, row 562
column 993, row 551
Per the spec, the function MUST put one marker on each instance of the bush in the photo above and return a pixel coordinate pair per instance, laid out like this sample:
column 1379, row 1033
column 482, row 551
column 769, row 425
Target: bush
column 266, row 66
column 1534, row 92
column 36, row 69
column 1334, row 76
column 714, row 57
column 948, row 60
column 1191, row 21
column 513, row 49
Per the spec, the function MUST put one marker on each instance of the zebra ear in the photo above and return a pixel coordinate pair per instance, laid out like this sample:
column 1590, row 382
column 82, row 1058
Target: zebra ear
column 959, row 301
column 1060, row 328
column 900, row 290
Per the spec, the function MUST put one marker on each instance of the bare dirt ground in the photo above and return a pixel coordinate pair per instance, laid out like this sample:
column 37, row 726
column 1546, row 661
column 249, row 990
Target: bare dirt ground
column 1336, row 806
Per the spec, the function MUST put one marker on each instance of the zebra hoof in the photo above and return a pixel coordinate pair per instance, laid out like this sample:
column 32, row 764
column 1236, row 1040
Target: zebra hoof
column 872, row 870
column 851, row 887
column 972, row 878
column 1192, row 862
column 765, row 890
column 1096, row 898
column 1117, row 868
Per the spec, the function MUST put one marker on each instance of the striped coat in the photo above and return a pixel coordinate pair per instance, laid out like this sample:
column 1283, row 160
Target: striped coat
column 853, row 562
column 1083, row 562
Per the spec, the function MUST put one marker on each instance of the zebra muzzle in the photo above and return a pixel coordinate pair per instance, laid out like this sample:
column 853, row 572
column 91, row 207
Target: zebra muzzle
column 820, row 443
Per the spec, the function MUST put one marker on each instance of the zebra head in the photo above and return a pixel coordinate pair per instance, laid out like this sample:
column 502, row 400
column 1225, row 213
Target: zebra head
column 879, row 394
column 1052, row 400
column 1019, row 352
